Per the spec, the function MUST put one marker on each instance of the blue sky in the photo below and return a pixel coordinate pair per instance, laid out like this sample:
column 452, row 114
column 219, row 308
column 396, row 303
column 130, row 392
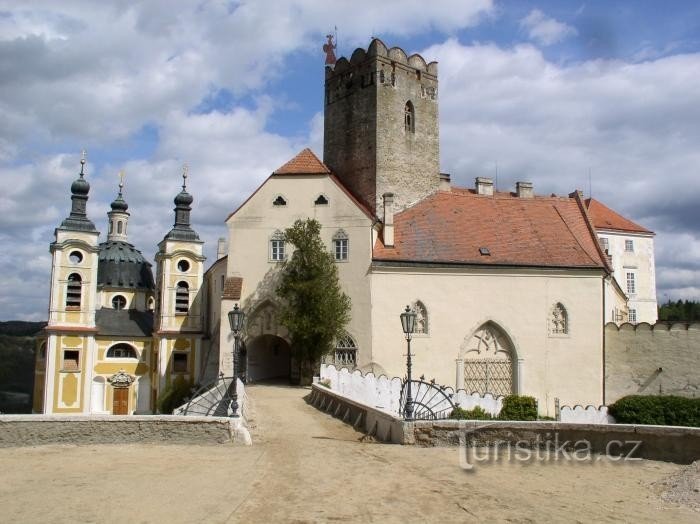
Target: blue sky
column 548, row 91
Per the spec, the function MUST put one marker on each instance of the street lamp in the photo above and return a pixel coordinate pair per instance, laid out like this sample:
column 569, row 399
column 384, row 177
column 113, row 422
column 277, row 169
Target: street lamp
column 235, row 319
column 408, row 324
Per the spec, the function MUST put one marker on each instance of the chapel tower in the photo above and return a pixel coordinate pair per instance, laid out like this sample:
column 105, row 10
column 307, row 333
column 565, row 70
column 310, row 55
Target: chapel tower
column 381, row 125
column 179, row 297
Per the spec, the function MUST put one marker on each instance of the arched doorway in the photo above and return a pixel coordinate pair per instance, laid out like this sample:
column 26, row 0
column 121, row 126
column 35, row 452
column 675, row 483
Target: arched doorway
column 268, row 357
column 488, row 361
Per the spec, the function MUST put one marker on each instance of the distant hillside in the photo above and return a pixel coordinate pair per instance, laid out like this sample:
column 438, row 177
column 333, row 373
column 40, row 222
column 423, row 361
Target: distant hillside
column 20, row 328
column 17, row 340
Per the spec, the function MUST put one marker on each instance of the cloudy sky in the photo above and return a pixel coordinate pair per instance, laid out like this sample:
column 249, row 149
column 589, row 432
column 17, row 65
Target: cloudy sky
column 546, row 91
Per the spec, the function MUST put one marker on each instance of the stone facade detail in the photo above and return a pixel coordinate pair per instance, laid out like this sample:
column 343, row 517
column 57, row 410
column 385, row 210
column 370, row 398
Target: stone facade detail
column 381, row 125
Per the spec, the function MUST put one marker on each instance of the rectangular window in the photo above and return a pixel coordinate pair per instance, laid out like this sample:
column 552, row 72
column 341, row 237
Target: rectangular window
column 71, row 360
column 277, row 250
column 604, row 243
column 629, row 245
column 633, row 316
column 631, row 285
column 341, row 248
column 180, row 362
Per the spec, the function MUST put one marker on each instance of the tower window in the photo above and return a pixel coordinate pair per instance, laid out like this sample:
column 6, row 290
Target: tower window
column 180, row 362
column 183, row 265
column 631, row 284
column 409, row 118
column 76, row 257
column 119, row 227
column 73, row 291
column 111, row 227
column 71, row 360
column 182, row 298
column 119, row 302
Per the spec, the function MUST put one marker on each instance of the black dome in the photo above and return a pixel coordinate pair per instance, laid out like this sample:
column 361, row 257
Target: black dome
column 183, row 198
column 119, row 204
column 122, row 265
column 80, row 186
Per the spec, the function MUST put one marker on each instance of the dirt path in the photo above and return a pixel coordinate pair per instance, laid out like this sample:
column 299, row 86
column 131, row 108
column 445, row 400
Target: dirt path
column 306, row 466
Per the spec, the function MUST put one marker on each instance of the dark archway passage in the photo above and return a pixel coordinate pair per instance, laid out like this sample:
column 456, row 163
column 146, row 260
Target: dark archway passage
column 268, row 356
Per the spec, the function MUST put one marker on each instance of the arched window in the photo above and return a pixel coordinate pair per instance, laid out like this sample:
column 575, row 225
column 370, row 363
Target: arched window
column 182, row 297
column 409, row 118
column 111, row 227
column 119, row 227
column 421, row 311
column 73, row 290
column 277, row 246
column 151, row 303
column 121, row 351
column 340, row 246
column 559, row 320
column 345, row 352
column 42, row 351
column 488, row 362
column 119, row 302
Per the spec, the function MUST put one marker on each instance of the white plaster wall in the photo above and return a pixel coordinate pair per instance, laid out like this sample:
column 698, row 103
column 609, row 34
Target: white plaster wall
column 460, row 301
column 251, row 227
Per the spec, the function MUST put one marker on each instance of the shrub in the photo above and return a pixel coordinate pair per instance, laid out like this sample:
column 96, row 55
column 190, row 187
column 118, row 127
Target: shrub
column 173, row 397
column 518, row 407
column 470, row 414
column 665, row 410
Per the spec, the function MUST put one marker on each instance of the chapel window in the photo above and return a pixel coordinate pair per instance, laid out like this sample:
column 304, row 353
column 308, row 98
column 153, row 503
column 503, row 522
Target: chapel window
column 279, row 201
column 182, row 297
column 119, row 302
column 121, row 351
column 345, row 352
column 321, row 201
column 73, row 290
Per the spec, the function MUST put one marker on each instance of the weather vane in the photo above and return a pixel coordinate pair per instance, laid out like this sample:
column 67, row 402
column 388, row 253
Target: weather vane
column 329, row 48
column 185, row 170
column 82, row 162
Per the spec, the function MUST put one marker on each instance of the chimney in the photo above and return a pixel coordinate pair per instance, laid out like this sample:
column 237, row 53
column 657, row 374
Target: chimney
column 221, row 248
column 524, row 189
column 388, row 219
column 484, row 185
column 445, row 184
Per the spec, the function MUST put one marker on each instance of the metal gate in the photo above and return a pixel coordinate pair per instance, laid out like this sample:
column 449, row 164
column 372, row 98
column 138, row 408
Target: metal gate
column 489, row 375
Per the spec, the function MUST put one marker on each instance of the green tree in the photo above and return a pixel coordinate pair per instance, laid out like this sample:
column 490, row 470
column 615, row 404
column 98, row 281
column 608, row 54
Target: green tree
column 315, row 309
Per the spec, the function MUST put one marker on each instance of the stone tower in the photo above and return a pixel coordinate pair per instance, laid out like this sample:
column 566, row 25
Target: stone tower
column 381, row 125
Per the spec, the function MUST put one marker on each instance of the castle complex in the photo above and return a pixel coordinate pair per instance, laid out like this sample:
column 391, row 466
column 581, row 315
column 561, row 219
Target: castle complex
column 512, row 290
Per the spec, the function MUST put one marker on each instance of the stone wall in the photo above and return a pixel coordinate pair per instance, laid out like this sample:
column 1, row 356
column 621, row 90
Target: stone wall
column 672, row 444
column 652, row 360
column 33, row 430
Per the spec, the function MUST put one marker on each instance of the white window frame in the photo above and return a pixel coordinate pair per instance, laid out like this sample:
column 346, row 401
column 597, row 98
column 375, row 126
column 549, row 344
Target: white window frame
column 604, row 243
column 632, row 316
column 277, row 247
column 629, row 246
column 341, row 246
column 631, row 278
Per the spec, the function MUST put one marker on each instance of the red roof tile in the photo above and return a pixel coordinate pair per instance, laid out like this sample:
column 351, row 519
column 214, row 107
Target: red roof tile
column 451, row 227
column 232, row 288
column 605, row 218
column 305, row 163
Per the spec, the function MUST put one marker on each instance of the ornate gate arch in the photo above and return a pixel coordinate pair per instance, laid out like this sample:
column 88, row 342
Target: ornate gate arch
column 489, row 361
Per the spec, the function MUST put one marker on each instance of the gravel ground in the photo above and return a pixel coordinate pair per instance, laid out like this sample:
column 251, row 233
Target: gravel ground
column 683, row 487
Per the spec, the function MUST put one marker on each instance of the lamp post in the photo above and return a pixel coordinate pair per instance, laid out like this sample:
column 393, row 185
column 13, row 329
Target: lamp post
column 235, row 319
column 408, row 324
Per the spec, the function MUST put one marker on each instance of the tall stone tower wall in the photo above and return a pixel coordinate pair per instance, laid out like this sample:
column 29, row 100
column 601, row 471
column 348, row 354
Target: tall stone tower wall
column 368, row 141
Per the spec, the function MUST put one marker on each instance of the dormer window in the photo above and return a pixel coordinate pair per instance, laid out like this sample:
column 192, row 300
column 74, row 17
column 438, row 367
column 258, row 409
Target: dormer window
column 119, row 302
column 279, row 201
column 321, row 201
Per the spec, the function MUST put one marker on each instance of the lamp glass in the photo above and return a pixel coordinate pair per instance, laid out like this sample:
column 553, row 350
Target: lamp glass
column 235, row 318
column 408, row 321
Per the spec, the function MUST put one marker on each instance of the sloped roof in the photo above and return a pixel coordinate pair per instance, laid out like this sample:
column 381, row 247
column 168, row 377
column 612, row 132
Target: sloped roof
column 452, row 227
column 305, row 163
column 124, row 322
column 605, row 218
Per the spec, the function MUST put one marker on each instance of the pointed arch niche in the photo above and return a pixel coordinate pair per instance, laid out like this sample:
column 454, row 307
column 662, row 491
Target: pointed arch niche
column 488, row 362
column 558, row 320
column 422, row 325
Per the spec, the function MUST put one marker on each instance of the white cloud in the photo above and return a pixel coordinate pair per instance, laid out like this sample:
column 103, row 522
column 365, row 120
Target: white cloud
column 545, row 30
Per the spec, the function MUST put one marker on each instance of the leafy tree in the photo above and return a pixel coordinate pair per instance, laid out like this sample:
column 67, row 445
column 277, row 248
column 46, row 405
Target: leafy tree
column 315, row 309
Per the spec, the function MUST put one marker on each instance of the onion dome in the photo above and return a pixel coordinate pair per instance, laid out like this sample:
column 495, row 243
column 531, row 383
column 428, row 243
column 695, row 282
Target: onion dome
column 78, row 220
column 182, row 230
column 121, row 265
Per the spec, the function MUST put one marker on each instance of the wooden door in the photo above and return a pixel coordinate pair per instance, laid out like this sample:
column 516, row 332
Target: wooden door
column 120, row 404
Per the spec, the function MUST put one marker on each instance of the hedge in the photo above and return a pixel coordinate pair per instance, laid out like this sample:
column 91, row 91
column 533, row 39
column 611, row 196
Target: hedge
column 665, row 410
column 515, row 407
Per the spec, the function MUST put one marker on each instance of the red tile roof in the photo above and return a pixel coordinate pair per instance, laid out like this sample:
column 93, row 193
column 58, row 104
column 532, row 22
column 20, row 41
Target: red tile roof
column 232, row 288
column 605, row 218
column 452, row 227
column 305, row 163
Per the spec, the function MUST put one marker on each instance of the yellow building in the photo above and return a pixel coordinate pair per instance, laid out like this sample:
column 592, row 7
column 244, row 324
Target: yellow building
column 117, row 339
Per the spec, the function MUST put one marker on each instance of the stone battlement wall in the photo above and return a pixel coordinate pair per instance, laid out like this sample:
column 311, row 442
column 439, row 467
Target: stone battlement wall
column 641, row 359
